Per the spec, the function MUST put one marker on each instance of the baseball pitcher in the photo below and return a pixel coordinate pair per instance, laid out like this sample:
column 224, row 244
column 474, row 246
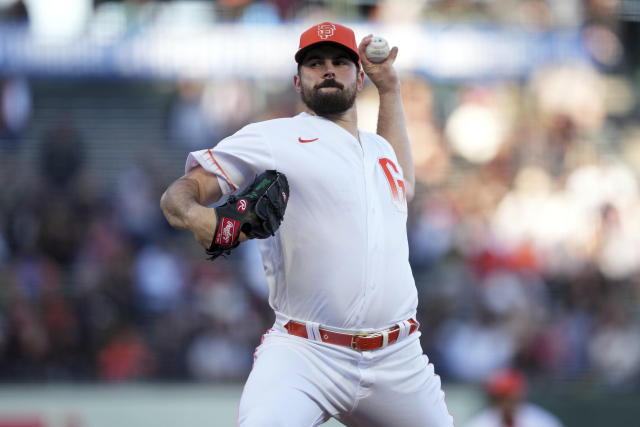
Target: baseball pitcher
column 329, row 205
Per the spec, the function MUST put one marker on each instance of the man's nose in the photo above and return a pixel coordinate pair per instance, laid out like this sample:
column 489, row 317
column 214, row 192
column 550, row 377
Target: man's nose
column 329, row 70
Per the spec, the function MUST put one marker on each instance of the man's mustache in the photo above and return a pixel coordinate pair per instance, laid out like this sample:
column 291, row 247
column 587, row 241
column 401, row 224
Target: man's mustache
column 329, row 83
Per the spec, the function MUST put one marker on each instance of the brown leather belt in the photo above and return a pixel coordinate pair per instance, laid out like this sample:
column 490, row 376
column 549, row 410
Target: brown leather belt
column 361, row 342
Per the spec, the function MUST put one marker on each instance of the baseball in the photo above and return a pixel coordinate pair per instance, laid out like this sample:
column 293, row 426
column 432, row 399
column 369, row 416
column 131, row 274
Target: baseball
column 378, row 50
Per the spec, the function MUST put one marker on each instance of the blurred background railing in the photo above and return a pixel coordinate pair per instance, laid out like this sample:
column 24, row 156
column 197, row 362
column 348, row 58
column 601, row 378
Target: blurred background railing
column 524, row 234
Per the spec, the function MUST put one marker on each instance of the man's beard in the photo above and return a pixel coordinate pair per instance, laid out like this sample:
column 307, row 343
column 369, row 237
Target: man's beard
column 328, row 103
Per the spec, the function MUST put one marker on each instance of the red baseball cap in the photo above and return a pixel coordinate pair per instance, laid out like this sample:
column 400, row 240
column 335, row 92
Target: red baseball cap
column 328, row 32
column 506, row 383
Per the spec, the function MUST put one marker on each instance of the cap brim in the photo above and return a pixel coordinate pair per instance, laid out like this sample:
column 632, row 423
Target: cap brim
column 299, row 56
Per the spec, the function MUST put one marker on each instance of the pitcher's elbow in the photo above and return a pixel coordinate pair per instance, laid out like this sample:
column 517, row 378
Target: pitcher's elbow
column 166, row 211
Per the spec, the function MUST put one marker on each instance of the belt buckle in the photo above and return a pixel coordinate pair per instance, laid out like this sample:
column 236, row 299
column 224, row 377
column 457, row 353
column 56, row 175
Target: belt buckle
column 354, row 344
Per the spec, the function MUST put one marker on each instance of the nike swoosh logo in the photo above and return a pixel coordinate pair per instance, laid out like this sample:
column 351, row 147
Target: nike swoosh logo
column 306, row 140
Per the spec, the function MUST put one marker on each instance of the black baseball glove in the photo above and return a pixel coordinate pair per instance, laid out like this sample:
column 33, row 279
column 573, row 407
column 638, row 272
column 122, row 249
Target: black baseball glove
column 257, row 211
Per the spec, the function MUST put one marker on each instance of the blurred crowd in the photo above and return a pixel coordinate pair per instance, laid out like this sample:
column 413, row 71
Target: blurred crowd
column 524, row 233
column 128, row 16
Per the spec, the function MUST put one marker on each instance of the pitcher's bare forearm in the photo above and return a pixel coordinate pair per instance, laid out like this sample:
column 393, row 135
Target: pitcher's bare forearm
column 393, row 128
column 178, row 200
column 182, row 205
column 391, row 121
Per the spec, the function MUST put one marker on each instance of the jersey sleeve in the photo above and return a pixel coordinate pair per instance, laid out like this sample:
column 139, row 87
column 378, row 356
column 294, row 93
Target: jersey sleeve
column 236, row 160
column 388, row 150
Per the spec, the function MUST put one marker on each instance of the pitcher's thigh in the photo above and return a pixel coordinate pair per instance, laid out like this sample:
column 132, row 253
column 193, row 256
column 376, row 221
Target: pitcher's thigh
column 278, row 392
column 415, row 400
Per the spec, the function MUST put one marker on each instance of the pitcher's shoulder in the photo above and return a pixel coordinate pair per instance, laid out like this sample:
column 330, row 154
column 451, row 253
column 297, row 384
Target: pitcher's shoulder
column 281, row 122
column 284, row 129
column 375, row 139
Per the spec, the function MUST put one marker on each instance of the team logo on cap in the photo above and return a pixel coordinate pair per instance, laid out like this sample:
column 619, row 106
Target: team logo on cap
column 326, row 30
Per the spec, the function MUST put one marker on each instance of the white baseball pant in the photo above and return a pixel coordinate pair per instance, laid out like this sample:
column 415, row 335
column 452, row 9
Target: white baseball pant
column 297, row 382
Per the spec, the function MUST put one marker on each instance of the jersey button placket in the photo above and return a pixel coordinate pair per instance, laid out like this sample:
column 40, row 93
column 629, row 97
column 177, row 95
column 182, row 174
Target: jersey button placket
column 367, row 258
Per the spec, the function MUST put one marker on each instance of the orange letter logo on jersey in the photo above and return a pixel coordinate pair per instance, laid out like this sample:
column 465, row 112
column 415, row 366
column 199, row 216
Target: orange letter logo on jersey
column 326, row 30
column 394, row 183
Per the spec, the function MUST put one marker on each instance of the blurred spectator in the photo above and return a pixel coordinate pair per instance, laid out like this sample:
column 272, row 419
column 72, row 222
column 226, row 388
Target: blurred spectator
column 260, row 12
column 430, row 156
column 574, row 91
column 28, row 342
column 125, row 356
column 506, row 391
column 136, row 196
column 188, row 124
column 433, row 230
column 13, row 11
column 605, row 11
column 15, row 109
column 249, row 11
column 62, row 155
column 614, row 349
column 204, row 111
column 398, row 11
column 230, row 104
column 64, row 199
column 231, row 361
column 286, row 8
column 469, row 349
column 476, row 129
column 158, row 280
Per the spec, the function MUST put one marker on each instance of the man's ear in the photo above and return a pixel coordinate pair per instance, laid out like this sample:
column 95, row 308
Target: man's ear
column 296, row 83
column 360, row 80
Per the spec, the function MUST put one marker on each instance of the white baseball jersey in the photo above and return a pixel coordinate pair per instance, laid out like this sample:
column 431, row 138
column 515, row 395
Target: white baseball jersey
column 340, row 257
